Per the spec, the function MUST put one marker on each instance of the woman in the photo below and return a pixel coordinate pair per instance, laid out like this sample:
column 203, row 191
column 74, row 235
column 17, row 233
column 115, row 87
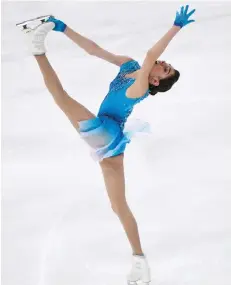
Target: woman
column 105, row 132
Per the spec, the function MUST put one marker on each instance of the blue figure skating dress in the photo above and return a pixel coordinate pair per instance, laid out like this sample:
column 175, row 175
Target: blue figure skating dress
column 105, row 133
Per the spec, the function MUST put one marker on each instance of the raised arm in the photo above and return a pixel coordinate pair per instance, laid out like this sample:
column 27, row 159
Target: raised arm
column 94, row 49
column 141, row 84
column 88, row 45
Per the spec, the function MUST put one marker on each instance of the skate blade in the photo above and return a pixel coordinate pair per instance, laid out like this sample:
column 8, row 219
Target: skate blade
column 31, row 24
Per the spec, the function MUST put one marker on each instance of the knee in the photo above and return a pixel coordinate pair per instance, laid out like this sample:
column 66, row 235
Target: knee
column 54, row 87
column 120, row 209
column 61, row 98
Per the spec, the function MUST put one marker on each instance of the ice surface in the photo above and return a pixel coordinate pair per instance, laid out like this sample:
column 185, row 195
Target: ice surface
column 57, row 224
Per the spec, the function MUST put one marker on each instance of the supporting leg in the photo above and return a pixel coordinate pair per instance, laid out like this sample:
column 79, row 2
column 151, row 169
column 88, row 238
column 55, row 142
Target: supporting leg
column 113, row 172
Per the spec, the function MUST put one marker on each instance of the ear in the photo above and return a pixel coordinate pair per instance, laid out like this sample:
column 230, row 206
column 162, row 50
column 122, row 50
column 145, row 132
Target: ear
column 154, row 81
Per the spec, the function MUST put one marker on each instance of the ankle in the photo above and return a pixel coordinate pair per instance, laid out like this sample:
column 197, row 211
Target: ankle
column 39, row 55
column 141, row 254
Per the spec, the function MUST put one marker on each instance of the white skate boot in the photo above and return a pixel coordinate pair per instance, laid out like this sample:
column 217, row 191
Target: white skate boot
column 36, row 34
column 140, row 271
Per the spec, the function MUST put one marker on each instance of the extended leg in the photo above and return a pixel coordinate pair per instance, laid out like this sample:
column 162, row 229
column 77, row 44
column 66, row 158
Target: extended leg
column 36, row 43
column 73, row 110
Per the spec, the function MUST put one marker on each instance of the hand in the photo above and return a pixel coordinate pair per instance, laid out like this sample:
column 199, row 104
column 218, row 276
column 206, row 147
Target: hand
column 182, row 18
column 59, row 25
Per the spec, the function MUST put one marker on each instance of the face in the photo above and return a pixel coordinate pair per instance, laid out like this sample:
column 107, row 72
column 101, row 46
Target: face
column 160, row 70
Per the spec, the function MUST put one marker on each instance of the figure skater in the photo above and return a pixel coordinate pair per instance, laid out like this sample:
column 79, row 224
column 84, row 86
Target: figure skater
column 104, row 132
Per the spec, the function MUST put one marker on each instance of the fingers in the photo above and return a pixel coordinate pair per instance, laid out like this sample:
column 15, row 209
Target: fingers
column 186, row 10
column 182, row 10
column 193, row 11
column 191, row 21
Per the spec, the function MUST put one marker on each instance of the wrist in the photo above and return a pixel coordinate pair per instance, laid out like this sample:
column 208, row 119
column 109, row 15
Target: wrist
column 62, row 27
column 176, row 28
column 66, row 30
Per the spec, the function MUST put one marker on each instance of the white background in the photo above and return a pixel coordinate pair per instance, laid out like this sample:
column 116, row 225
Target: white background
column 57, row 224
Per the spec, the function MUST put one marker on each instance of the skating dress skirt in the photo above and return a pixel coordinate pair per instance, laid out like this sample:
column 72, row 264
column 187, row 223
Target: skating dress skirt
column 106, row 134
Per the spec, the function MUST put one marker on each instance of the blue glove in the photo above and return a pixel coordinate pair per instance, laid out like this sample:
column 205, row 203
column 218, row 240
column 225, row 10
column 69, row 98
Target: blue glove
column 59, row 25
column 182, row 18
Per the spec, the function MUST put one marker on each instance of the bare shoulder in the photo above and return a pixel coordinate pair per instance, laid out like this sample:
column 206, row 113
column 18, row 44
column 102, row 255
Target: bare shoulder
column 141, row 84
column 121, row 59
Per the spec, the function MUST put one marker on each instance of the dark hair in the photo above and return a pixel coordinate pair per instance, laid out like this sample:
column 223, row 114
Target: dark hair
column 165, row 84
